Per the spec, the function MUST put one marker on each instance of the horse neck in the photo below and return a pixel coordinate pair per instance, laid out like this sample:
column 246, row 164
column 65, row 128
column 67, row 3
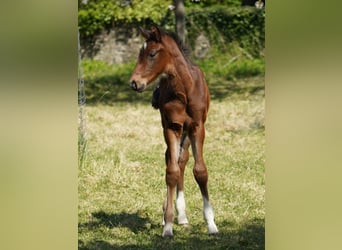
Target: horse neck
column 179, row 69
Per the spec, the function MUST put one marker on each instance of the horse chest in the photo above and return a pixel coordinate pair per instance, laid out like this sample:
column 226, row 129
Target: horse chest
column 175, row 114
column 173, row 111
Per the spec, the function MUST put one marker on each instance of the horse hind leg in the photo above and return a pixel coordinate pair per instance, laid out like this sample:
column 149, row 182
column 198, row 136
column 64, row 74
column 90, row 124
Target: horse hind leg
column 182, row 161
column 201, row 175
column 209, row 216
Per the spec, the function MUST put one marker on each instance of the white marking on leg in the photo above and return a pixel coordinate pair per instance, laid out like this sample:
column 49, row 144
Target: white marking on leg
column 177, row 151
column 180, row 206
column 145, row 44
column 209, row 217
column 167, row 231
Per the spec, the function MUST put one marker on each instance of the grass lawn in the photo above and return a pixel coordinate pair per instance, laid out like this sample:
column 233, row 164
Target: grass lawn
column 122, row 174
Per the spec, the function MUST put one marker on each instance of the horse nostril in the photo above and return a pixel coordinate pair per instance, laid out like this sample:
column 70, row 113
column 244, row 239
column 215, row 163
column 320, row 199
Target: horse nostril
column 134, row 85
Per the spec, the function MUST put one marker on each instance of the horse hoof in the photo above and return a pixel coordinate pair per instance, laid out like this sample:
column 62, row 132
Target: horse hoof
column 167, row 234
column 212, row 229
column 167, row 231
column 183, row 221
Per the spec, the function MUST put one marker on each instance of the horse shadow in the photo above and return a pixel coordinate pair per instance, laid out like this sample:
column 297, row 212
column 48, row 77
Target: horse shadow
column 132, row 221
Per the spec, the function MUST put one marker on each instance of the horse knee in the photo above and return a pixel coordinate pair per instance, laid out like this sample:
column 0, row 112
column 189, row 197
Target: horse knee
column 172, row 175
column 201, row 174
column 184, row 157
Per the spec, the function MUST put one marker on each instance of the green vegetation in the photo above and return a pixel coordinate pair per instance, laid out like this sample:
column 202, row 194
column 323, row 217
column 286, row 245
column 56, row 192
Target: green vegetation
column 95, row 15
column 245, row 27
column 100, row 14
column 232, row 65
column 207, row 3
column 221, row 21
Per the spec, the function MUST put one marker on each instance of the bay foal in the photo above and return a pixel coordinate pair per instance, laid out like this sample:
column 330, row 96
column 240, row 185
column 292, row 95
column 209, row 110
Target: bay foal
column 183, row 101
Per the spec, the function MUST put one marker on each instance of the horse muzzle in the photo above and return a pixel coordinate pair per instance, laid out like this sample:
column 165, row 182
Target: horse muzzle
column 137, row 87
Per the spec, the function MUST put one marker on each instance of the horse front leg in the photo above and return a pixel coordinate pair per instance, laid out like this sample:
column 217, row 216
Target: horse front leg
column 201, row 175
column 172, row 138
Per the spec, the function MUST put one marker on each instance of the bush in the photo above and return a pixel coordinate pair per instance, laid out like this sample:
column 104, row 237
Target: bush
column 223, row 25
column 97, row 15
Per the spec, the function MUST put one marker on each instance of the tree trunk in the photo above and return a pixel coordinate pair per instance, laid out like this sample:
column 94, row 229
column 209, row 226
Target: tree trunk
column 180, row 19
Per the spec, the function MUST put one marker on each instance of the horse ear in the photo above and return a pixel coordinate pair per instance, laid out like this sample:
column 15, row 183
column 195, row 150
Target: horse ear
column 156, row 32
column 145, row 33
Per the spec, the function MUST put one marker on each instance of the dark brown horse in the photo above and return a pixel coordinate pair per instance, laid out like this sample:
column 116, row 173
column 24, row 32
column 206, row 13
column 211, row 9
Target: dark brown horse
column 183, row 100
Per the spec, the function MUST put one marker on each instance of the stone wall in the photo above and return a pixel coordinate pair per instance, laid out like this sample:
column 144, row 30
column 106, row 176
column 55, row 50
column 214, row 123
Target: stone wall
column 119, row 45
column 122, row 45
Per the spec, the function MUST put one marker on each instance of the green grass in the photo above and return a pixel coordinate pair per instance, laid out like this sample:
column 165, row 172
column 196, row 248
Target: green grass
column 121, row 178
column 233, row 66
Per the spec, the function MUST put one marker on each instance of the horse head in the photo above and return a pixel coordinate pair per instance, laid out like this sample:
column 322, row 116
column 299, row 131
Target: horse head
column 152, row 59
